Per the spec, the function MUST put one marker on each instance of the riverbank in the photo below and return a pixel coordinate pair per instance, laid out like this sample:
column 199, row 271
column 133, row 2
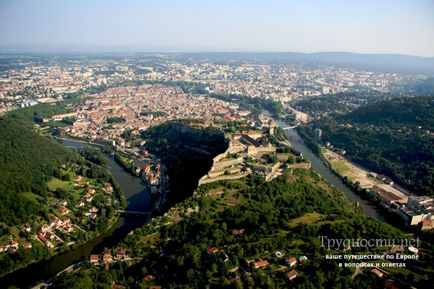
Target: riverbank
column 319, row 166
column 138, row 199
column 364, row 186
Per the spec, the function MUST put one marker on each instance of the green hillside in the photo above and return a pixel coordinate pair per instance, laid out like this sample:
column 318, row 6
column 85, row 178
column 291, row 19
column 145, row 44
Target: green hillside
column 28, row 161
column 418, row 111
column 247, row 222
column 391, row 137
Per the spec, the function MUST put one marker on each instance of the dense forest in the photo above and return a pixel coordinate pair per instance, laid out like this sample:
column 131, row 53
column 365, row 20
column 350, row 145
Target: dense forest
column 36, row 173
column 28, row 161
column 391, row 137
column 247, row 222
column 186, row 152
column 340, row 103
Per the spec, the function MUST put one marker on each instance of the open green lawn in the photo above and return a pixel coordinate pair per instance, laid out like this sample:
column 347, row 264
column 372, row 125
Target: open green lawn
column 340, row 166
column 29, row 196
column 307, row 218
column 56, row 183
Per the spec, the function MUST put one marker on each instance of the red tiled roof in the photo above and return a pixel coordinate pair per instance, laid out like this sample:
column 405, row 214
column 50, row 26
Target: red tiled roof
column 260, row 264
column 291, row 274
column 213, row 250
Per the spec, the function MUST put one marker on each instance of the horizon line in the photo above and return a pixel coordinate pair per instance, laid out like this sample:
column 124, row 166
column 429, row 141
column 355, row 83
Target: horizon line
column 5, row 50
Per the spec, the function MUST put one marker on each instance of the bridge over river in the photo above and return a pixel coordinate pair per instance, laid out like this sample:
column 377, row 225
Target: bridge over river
column 133, row 213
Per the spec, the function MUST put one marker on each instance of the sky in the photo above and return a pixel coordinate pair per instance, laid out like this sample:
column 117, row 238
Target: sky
column 364, row 26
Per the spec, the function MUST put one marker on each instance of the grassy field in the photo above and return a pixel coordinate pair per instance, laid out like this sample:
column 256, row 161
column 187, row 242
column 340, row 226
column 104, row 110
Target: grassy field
column 308, row 218
column 347, row 169
column 56, row 183
column 29, row 196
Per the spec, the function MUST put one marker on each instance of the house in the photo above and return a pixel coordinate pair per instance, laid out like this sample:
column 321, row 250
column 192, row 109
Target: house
column 94, row 259
column 91, row 191
column 378, row 272
column 55, row 221
column 291, row 275
column 107, row 257
column 93, row 210
column 121, row 253
column 49, row 235
column 63, row 210
column 302, row 259
column 81, row 204
column 149, row 277
column 27, row 245
column 45, row 228
column 84, row 183
column 63, row 203
column 42, row 237
column 3, row 248
column 68, row 228
column 212, row 250
column 13, row 244
column 261, row 264
column 291, row 261
column 155, row 287
column 108, row 187
column 77, row 178
column 27, row 228
column 49, row 244
column 147, row 169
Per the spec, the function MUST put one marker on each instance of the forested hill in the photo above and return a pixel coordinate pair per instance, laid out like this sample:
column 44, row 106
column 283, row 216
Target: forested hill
column 216, row 239
column 417, row 111
column 27, row 161
column 392, row 137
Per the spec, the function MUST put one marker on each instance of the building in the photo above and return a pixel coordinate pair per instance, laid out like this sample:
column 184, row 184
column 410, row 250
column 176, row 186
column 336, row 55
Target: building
column 417, row 210
column 291, row 261
column 212, row 250
column 248, row 140
column 260, row 264
column 94, row 259
column 107, row 257
column 378, row 272
column 121, row 253
column 302, row 259
column 291, row 275
column 410, row 215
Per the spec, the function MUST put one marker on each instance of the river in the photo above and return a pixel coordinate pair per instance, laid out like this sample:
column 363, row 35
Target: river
column 138, row 199
column 319, row 166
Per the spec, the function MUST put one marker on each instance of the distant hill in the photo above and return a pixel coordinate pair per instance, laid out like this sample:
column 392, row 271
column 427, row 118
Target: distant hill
column 375, row 62
column 392, row 137
column 418, row 111
column 27, row 162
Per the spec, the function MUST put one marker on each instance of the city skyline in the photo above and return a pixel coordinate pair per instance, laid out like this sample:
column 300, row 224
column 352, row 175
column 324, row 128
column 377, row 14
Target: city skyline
column 378, row 27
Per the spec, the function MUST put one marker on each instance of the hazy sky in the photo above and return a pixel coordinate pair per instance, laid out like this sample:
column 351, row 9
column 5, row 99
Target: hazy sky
column 372, row 26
